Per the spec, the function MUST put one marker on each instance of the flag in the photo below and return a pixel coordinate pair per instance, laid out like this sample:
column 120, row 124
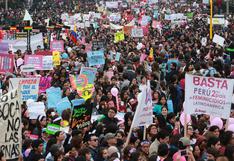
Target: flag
column 73, row 36
column 27, row 17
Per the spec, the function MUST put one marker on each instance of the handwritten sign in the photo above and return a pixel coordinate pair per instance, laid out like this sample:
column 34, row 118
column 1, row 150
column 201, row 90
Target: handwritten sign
column 56, row 58
column 29, row 87
column 62, row 105
column 119, row 36
column 98, row 44
column 6, row 63
column 10, row 123
column 57, row 45
column 90, row 73
column 47, row 63
column 35, row 109
column 54, row 95
column 208, row 95
column 96, row 58
column 137, row 32
column 81, row 116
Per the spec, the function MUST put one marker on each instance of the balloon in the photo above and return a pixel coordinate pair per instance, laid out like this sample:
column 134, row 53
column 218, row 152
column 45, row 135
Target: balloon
column 182, row 118
column 231, row 128
column 217, row 121
column 114, row 91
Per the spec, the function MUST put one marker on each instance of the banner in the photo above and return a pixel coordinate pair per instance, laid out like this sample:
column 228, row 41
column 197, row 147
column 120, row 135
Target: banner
column 137, row 32
column 57, row 45
column 90, row 73
column 35, row 109
column 35, row 60
column 6, row 63
column 27, row 68
column 81, row 116
column 144, row 110
column 56, row 58
column 52, row 129
column 96, row 58
column 4, row 46
column 54, row 95
column 10, row 123
column 29, row 87
column 208, row 95
column 119, row 36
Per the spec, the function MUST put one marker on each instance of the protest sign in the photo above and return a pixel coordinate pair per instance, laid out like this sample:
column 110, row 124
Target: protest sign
column 52, row 129
column 115, row 56
column 56, row 58
column 27, row 68
column 119, row 36
column 96, row 57
column 81, row 116
column 218, row 40
column 98, row 44
column 4, row 46
column 208, row 95
column 137, row 32
column 54, row 95
column 6, row 63
column 144, row 110
column 112, row 4
column 35, row 109
column 35, row 60
column 57, row 45
column 29, row 87
column 47, row 63
column 45, row 83
column 90, row 73
column 10, row 123
column 62, row 105
column 114, row 17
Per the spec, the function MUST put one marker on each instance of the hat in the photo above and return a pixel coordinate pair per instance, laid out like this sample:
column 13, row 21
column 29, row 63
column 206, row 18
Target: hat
column 109, row 136
column 111, row 150
column 185, row 141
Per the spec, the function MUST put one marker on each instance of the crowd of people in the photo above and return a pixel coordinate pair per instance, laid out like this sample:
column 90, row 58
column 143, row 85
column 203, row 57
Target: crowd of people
column 105, row 139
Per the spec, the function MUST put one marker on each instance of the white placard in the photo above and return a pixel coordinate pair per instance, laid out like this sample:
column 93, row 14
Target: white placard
column 218, row 40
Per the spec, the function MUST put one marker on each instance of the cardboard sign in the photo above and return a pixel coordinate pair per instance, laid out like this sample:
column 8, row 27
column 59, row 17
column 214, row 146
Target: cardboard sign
column 218, row 40
column 56, row 58
column 35, row 60
column 144, row 110
column 62, row 105
column 6, row 63
column 54, row 95
column 119, row 36
column 137, row 32
column 10, row 123
column 27, row 68
column 29, row 87
column 208, row 95
column 57, row 45
column 98, row 44
column 96, row 58
column 90, row 73
column 35, row 109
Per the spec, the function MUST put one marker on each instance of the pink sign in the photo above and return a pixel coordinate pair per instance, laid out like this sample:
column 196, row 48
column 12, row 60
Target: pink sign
column 45, row 83
column 6, row 63
column 57, row 45
column 35, row 60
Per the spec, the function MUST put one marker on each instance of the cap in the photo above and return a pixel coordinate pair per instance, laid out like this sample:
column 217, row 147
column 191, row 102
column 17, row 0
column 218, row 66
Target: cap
column 185, row 141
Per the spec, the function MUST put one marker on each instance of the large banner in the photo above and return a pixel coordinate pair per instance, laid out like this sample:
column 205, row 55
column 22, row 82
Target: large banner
column 208, row 95
column 29, row 87
column 10, row 123
column 144, row 112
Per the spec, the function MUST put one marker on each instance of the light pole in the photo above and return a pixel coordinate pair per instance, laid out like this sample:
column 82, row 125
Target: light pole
column 227, row 7
column 6, row 4
column 211, row 19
